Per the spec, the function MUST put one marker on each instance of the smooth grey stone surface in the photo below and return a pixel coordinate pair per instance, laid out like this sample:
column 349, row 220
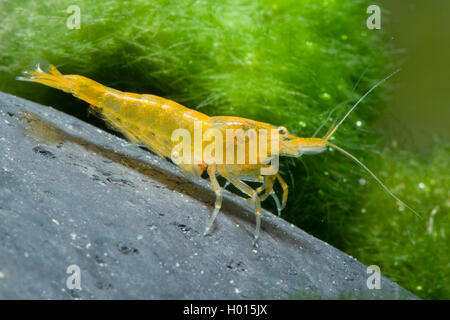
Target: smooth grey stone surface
column 72, row 194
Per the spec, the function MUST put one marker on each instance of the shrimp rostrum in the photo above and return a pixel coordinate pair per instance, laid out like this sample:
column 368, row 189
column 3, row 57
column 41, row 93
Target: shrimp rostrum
column 239, row 150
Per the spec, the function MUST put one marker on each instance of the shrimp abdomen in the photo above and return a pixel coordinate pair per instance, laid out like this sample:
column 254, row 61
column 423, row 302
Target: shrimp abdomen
column 142, row 118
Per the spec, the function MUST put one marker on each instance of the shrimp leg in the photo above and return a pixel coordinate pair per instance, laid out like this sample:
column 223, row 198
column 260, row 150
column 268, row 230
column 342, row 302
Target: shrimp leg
column 268, row 190
column 267, row 187
column 219, row 196
column 285, row 188
column 245, row 188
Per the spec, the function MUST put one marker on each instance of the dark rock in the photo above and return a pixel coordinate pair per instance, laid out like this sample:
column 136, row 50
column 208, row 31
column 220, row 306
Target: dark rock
column 71, row 194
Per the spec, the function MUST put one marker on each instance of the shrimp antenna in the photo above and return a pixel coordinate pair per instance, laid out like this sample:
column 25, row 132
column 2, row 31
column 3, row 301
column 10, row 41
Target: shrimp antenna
column 330, row 134
column 373, row 176
column 340, row 104
column 329, row 117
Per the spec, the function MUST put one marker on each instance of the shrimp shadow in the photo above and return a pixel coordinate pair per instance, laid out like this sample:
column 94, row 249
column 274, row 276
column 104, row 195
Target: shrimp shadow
column 46, row 132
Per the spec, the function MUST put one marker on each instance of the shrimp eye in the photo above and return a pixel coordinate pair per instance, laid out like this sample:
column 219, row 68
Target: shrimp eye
column 282, row 130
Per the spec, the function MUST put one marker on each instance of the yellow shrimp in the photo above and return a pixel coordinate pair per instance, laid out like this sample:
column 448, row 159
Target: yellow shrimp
column 151, row 120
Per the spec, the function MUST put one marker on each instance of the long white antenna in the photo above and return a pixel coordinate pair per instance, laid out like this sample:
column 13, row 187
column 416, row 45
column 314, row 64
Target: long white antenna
column 329, row 117
column 373, row 176
column 343, row 102
column 328, row 136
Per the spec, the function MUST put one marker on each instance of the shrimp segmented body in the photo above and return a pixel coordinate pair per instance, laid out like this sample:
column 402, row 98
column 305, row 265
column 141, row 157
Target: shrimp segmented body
column 150, row 120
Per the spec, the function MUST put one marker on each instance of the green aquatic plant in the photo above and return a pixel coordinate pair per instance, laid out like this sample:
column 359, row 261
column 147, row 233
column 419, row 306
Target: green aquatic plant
column 415, row 254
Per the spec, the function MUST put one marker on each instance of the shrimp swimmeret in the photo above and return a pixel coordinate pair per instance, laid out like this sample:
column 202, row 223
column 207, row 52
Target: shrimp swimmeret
column 152, row 121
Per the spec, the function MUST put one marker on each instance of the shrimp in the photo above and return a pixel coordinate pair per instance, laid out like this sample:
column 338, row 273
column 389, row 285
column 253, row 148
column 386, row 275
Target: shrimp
column 151, row 120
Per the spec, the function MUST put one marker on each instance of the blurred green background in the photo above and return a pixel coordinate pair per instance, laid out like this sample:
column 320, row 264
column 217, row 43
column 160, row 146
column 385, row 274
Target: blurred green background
column 287, row 62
